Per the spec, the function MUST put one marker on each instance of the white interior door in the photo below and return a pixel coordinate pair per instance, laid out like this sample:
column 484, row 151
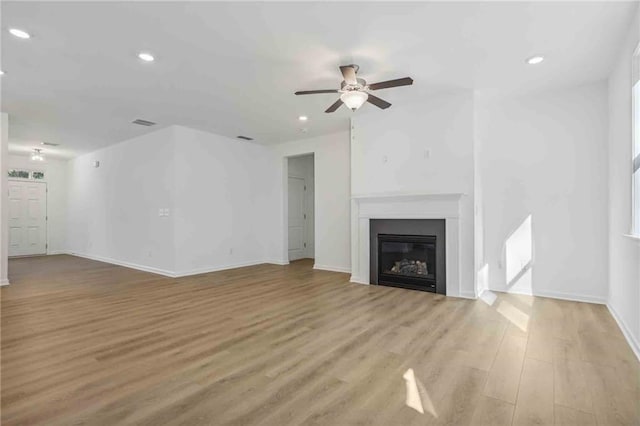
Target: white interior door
column 27, row 218
column 296, row 218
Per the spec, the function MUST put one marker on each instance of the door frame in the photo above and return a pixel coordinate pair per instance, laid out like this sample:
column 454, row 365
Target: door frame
column 285, row 204
column 46, row 215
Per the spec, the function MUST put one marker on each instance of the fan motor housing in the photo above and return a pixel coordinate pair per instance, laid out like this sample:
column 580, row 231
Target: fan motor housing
column 362, row 83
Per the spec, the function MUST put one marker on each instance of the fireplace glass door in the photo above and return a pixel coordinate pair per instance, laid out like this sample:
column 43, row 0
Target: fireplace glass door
column 407, row 261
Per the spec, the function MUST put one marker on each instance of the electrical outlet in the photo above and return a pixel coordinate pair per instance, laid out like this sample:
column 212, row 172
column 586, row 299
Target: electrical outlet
column 384, row 159
column 160, row 212
column 427, row 153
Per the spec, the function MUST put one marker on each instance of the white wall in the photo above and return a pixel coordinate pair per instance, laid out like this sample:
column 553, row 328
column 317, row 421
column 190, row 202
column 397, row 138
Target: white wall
column 55, row 175
column 217, row 191
column 624, row 252
column 4, row 224
column 222, row 189
column 332, row 200
column 302, row 167
column 390, row 154
column 544, row 156
column 421, row 148
column 113, row 209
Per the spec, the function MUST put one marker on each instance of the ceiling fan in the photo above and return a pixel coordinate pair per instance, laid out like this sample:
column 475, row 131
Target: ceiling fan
column 354, row 91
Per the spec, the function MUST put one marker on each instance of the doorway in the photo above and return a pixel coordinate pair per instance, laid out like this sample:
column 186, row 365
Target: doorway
column 301, row 207
column 27, row 218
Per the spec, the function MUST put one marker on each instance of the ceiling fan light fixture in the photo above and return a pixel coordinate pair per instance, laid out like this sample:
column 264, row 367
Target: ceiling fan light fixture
column 37, row 155
column 354, row 99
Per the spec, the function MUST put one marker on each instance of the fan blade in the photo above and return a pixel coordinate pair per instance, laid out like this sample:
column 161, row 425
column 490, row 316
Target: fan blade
column 407, row 81
column 349, row 74
column 335, row 106
column 313, row 92
column 380, row 103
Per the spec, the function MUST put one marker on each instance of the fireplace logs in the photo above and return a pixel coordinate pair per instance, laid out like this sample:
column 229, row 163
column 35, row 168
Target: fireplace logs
column 409, row 267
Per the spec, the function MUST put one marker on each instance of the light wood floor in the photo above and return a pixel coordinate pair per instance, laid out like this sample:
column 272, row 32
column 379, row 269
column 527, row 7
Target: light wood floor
column 85, row 342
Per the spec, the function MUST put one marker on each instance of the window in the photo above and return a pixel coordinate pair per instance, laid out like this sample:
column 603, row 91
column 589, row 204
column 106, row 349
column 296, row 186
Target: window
column 26, row 174
column 636, row 160
column 21, row 174
column 635, row 166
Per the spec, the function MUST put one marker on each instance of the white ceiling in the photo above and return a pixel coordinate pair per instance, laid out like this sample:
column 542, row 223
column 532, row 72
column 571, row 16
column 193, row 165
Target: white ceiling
column 232, row 68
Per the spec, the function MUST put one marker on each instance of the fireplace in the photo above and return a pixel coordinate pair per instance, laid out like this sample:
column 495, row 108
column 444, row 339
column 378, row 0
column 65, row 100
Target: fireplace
column 407, row 261
column 408, row 253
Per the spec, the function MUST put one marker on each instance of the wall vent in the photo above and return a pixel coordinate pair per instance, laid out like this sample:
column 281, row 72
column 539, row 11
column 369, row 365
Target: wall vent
column 49, row 144
column 246, row 138
column 142, row 122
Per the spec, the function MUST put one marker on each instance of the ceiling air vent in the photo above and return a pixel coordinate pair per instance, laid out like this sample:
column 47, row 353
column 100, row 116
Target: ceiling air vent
column 246, row 138
column 49, row 144
column 141, row 122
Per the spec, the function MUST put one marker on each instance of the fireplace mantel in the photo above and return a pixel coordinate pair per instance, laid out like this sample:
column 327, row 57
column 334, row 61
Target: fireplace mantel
column 365, row 207
column 408, row 195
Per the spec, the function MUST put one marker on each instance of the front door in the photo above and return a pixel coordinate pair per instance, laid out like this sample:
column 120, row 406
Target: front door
column 296, row 218
column 27, row 218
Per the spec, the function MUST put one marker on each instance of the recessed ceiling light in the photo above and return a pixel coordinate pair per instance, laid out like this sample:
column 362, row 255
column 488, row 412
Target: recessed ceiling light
column 534, row 60
column 19, row 33
column 147, row 57
column 303, row 118
column 1, row 72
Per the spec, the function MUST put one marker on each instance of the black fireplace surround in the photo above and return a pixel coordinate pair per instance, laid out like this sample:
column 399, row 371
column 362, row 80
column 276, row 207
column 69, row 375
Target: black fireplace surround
column 408, row 253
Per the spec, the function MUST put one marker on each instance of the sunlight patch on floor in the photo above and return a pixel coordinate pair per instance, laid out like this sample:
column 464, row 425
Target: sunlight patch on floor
column 488, row 297
column 417, row 395
column 513, row 314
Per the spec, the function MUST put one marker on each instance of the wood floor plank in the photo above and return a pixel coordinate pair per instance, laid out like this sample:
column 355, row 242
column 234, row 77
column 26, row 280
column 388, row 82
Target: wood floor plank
column 535, row 397
column 504, row 377
column 613, row 404
column 565, row 416
column 491, row 411
column 570, row 385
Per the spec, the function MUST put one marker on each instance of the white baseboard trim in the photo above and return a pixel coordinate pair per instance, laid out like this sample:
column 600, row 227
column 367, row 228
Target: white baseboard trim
column 4, row 282
column 197, row 271
column 467, row 295
column 573, row 297
column 633, row 342
column 358, row 280
column 206, row 270
column 332, row 268
column 56, row 252
column 145, row 268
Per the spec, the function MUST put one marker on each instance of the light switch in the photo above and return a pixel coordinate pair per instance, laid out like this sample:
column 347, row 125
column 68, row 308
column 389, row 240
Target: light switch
column 161, row 212
column 166, row 212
